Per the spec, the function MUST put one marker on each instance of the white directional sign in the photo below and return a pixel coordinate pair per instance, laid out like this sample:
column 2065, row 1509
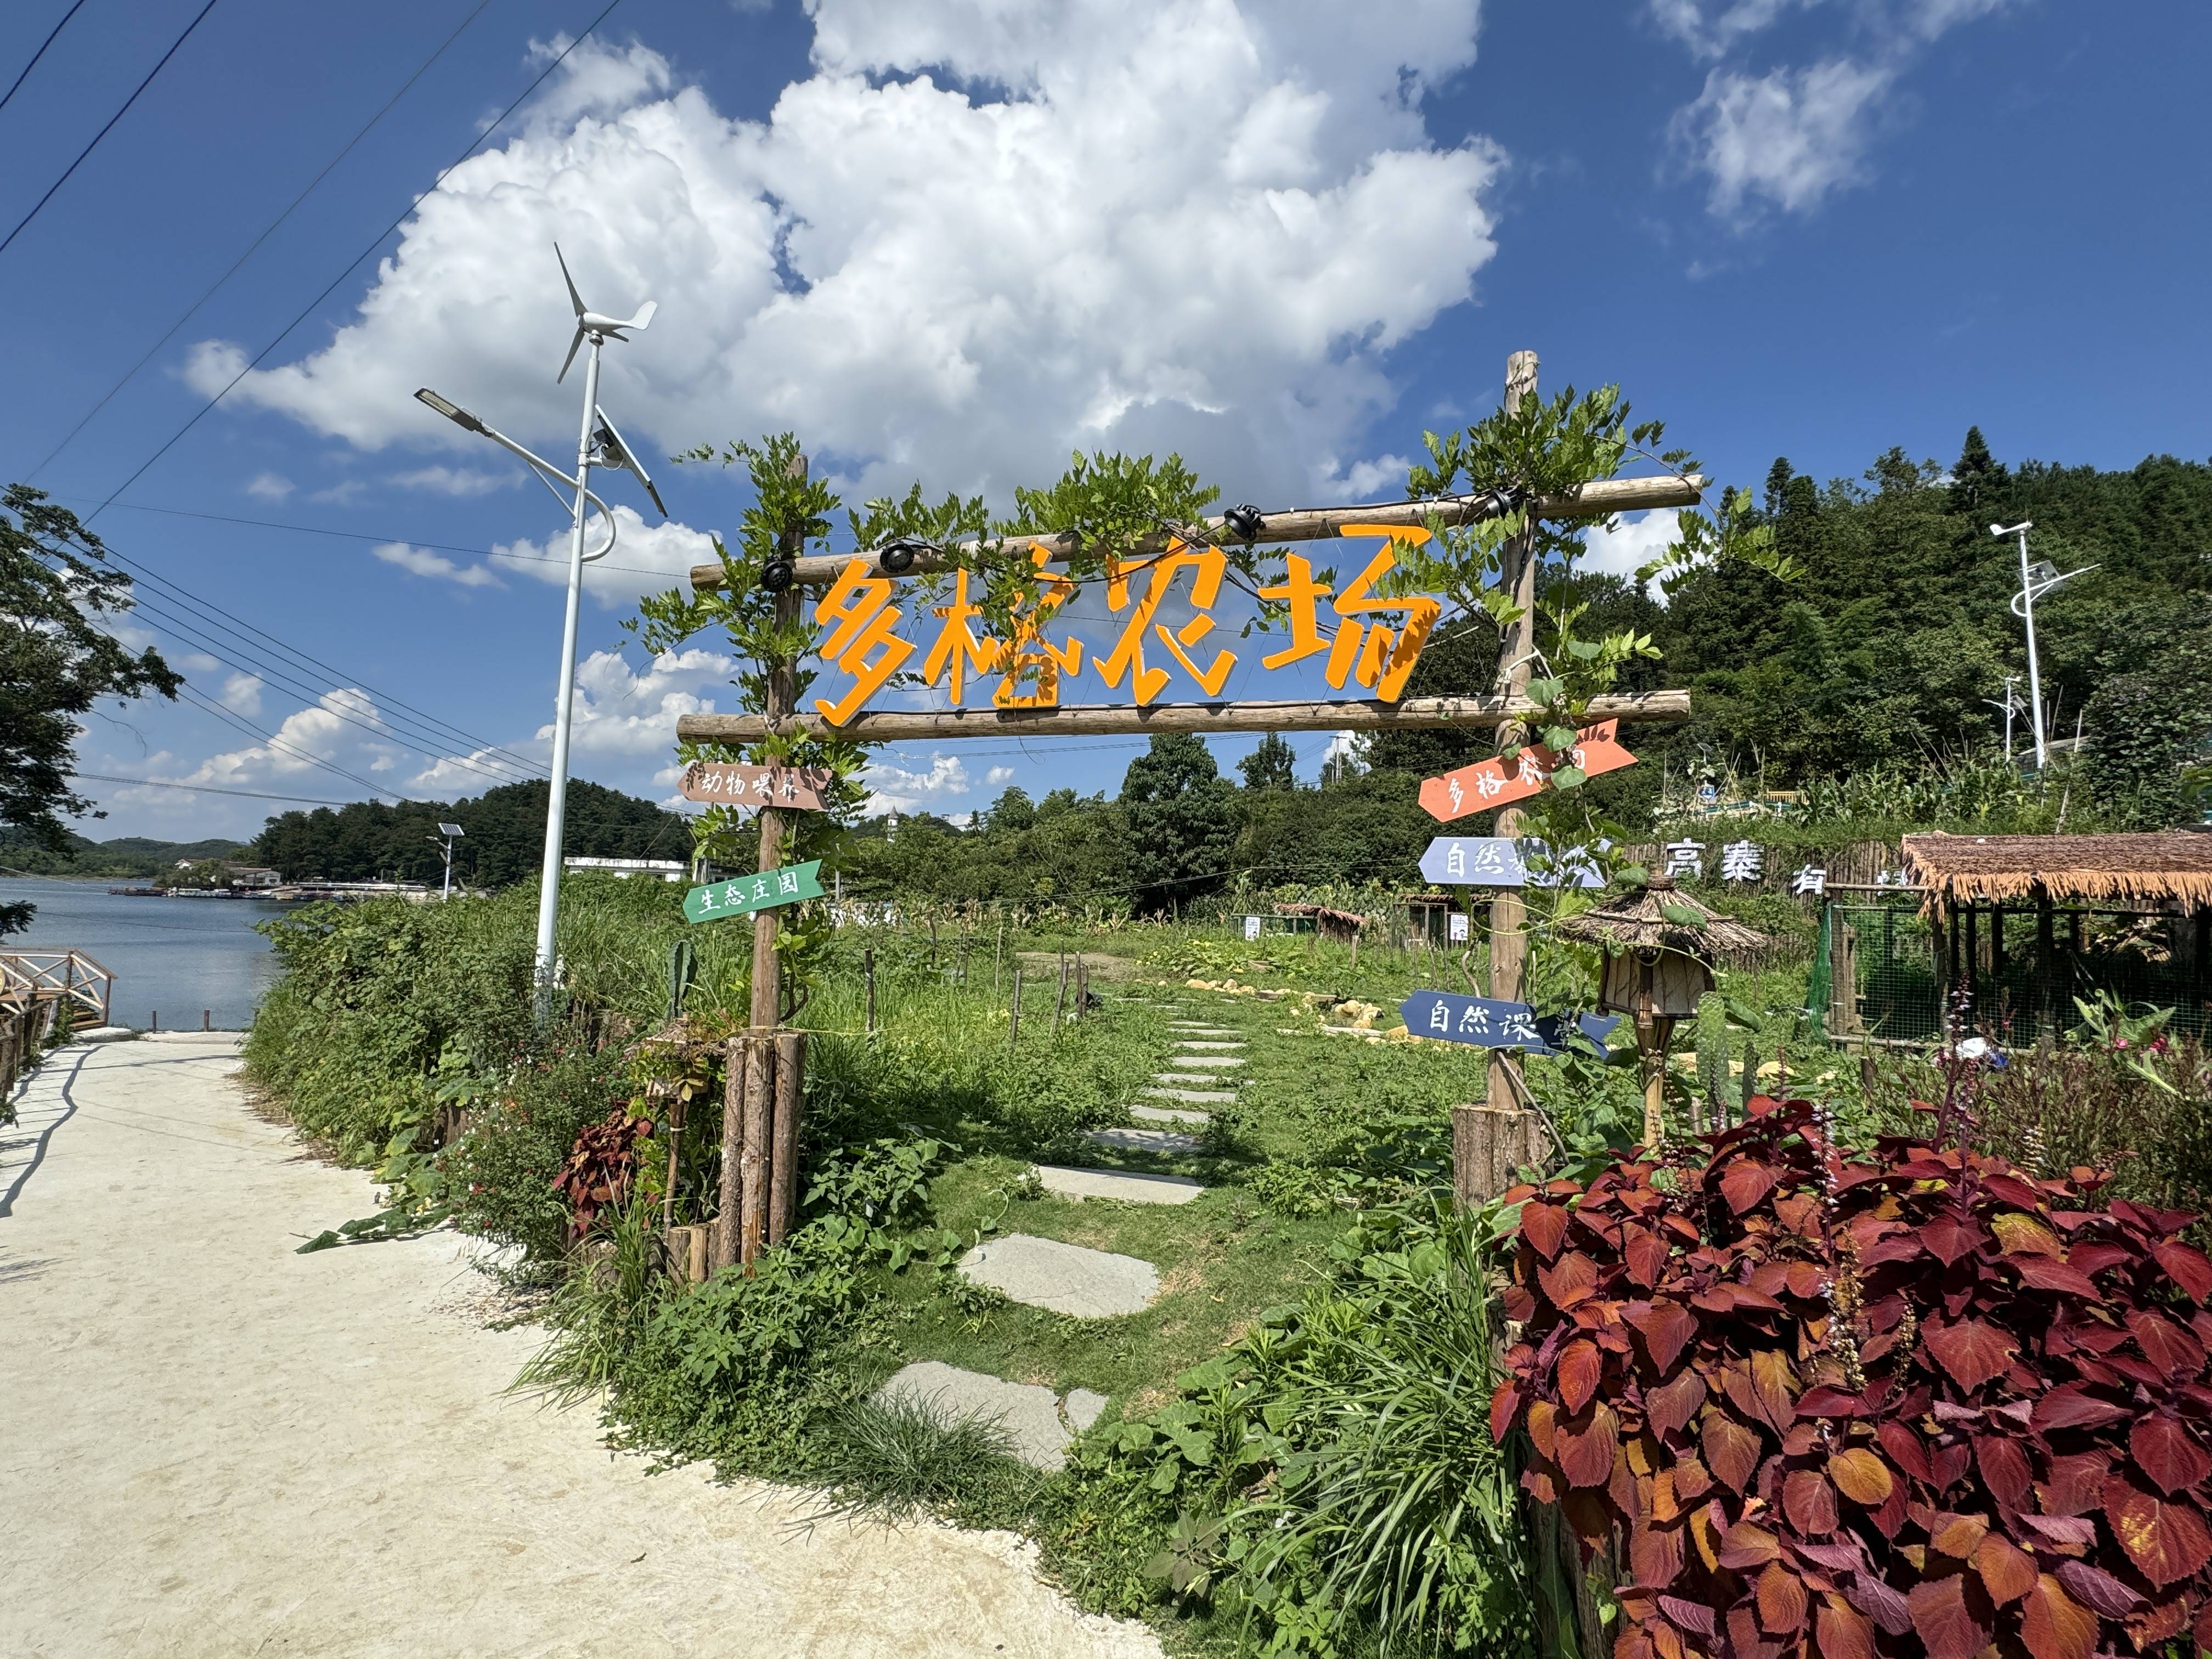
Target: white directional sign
column 1496, row 861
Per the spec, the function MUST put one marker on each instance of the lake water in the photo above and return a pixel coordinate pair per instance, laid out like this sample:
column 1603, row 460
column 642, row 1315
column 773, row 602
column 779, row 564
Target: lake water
column 173, row 956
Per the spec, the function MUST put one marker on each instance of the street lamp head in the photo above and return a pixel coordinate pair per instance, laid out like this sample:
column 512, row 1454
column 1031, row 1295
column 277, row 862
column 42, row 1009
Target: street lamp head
column 2012, row 530
column 453, row 411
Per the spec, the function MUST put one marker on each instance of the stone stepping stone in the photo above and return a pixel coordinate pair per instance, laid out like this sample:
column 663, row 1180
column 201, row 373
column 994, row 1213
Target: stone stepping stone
column 1198, row 1029
column 1065, row 1279
column 1197, row 1046
column 1118, row 1183
column 1191, row 1061
column 1195, row 1097
column 1211, row 1079
column 1169, row 1114
column 1143, row 1140
column 1039, row 1422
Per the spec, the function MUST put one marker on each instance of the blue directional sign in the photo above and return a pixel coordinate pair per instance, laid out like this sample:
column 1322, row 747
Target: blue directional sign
column 1484, row 1023
column 1497, row 861
column 1473, row 861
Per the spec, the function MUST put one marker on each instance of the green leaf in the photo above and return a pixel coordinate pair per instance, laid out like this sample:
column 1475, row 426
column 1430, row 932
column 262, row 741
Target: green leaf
column 1582, row 650
column 1544, row 690
column 1632, row 875
column 1559, row 739
column 1681, row 914
column 1569, row 777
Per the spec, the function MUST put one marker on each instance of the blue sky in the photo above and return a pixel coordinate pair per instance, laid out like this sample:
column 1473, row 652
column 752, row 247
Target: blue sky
column 953, row 240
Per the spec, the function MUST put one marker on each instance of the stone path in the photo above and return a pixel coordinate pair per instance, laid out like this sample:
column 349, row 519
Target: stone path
column 1143, row 1140
column 1169, row 1115
column 1040, row 1424
column 1125, row 1184
column 1044, row 1273
column 1209, row 1062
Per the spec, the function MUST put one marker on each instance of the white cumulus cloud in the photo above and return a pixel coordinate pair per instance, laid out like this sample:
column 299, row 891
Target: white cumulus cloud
column 269, row 486
column 649, row 557
column 241, row 694
column 452, row 480
column 980, row 233
column 896, row 788
column 1786, row 138
column 621, row 712
column 423, row 562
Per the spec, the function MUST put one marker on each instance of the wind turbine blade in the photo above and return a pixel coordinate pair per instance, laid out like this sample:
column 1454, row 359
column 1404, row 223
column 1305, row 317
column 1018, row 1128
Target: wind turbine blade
column 570, row 358
column 644, row 315
column 574, row 298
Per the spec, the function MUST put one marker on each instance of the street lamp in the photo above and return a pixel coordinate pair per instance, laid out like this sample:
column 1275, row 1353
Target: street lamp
column 2009, row 705
column 599, row 444
column 2035, row 580
column 449, row 831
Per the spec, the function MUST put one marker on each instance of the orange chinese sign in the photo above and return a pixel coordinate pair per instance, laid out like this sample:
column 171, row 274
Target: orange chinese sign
column 1499, row 782
column 1375, row 642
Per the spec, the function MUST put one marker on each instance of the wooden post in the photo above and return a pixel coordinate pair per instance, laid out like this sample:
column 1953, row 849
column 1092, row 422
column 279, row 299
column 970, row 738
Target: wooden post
column 1653, row 1034
column 1060, row 1002
column 1014, row 1013
column 731, row 1199
column 1509, row 940
column 1750, row 1078
column 1082, row 986
column 783, row 1179
column 868, row 961
column 2046, row 964
column 1489, row 1146
column 999, row 951
column 755, row 1163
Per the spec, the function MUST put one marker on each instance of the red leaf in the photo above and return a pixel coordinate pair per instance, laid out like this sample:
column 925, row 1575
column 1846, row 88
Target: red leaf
column 2070, row 1406
column 1946, row 1623
column 1690, row 1616
column 1505, row 1406
column 1842, row 1630
column 2004, row 1470
column 2187, row 1267
column 2167, row 1542
column 1746, row 1182
column 1672, row 1405
column 1586, row 1454
column 1781, row 1600
column 2164, row 1343
column 2062, row 1528
column 1580, row 1367
column 1806, row 1279
column 1904, row 1447
column 1545, row 1227
column 2007, row 1571
column 1746, row 1544
column 2042, row 1273
column 1665, row 1327
column 1898, row 1247
column 1655, row 1556
column 1974, row 1351
column 2054, row 1625
column 1880, row 1603
column 2075, row 1485
column 1957, row 1535
column 1645, row 1253
column 1823, row 1401
column 2167, row 1453
column 2093, row 1587
column 1809, row 1502
column 1731, row 1449
column 1861, row 1476
column 1772, row 1379
column 1571, row 1279
column 1951, row 1239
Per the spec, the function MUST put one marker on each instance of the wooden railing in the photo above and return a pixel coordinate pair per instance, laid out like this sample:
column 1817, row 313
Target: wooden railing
column 55, row 976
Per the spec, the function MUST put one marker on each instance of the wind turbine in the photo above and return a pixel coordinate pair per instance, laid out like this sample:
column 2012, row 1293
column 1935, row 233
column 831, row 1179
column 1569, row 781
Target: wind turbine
column 596, row 443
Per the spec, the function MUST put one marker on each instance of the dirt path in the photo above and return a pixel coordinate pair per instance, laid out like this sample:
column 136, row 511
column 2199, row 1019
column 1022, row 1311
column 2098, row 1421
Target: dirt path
column 213, row 1446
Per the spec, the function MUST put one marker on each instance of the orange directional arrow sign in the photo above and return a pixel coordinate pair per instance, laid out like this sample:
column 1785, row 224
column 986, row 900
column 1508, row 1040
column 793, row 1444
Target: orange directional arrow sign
column 1498, row 782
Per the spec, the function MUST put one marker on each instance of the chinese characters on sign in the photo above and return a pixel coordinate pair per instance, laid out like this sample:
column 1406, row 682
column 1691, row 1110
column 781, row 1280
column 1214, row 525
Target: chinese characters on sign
column 1741, row 860
column 1810, row 879
column 1496, row 782
column 1251, row 928
column 740, row 895
column 727, row 784
column 1686, row 858
column 1456, row 928
column 1484, row 1023
column 1376, row 643
column 1496, row 861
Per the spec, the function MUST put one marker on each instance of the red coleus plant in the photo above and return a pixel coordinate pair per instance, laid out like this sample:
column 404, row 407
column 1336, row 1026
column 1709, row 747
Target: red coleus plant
column 1927, row 1404
column 601, row 1166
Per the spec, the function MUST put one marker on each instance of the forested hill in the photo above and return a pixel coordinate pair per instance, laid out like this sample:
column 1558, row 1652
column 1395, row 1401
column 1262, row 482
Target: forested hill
column 505, row 841
column 23, row 854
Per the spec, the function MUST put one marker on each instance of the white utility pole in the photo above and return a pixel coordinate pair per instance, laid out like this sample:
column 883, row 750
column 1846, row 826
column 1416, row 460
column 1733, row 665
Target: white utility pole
column 449, row 831
column 596, row 443
column 2009, row 705
column 2035, row 582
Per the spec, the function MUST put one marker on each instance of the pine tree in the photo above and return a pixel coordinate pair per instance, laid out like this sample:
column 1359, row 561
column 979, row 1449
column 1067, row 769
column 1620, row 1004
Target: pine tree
column 1273, row 765
column 1978, row 480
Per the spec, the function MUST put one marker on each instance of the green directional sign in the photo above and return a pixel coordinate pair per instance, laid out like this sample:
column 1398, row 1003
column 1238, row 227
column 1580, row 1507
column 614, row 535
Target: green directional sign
column 740, row 895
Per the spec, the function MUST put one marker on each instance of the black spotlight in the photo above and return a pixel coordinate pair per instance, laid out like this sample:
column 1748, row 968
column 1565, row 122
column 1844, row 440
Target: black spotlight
column 778, row 574
column 1244, row 522
column 898, row 557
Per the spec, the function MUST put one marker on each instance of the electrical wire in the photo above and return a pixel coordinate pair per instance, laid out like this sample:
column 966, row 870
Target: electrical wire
column 111, row 121
column 56, row 29
column 273, row 741
column 208, row 789
column 252, row 247
column 330, row 288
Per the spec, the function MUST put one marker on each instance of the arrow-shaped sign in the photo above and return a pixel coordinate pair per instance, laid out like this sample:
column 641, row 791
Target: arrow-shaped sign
column 726, row 783
column 740, row 895
column 1496, row 861
column 1484, row 1023
column 1493, row 782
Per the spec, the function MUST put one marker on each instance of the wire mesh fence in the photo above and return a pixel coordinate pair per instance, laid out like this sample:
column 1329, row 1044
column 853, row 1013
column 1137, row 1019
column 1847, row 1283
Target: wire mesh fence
column 1889, row 971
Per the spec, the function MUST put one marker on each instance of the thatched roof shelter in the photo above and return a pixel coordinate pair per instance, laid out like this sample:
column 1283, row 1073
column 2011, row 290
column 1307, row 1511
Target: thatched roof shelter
column 1636, row 922
column 2173, row 867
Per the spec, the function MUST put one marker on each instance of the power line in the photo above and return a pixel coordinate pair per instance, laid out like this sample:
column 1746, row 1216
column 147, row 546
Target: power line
column 111, row 121
column 40, row 52
column 208, row 789
column 254, row 247
column 275, row 742
column 309, row 309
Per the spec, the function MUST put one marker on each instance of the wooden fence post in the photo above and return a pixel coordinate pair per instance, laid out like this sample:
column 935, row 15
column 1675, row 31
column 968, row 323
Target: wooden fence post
column 760, row 1117
column 1489, row 1146
column 1014, row 1013
column 783, row 1177
column 731, row 1197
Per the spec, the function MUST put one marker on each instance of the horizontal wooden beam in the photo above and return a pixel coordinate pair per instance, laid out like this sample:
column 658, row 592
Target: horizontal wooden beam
column 1598, row 499
column 1408, row 714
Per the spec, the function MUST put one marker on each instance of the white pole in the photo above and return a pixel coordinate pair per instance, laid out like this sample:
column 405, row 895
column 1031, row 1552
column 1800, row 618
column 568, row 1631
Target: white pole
column 449, row 893
column 2009, row 678
column 556, row 802
column 2034, row 678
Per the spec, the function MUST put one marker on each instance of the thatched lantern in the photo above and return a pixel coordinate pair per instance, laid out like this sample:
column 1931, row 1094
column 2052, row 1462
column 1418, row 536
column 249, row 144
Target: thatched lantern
column 1657, row 941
